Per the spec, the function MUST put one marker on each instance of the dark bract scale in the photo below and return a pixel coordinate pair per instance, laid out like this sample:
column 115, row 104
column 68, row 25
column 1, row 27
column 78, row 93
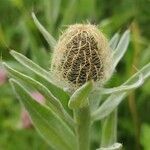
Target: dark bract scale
column 81, row 60
column 81, row 54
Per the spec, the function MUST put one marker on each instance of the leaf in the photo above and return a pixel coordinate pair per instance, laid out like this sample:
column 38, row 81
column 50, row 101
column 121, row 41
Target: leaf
column 116, row 146
column 48, row 37
column 79, row 97
column 108, row 106
column 109, row 130
column 145, row 71
column 56, row 133
column 115, row 99
column 30, row 64
column 94, row 99
column 145, row 56
column 114, row 41
column 121, row 48
column 145, row 136
column 123, row 87
column 53, row 102
column 44, row 76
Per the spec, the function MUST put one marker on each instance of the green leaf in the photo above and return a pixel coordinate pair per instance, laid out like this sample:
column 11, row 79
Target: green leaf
column 114, row 41
column 108, row 106
column 116, row 146
column 123, row 87
column 145, row 71
column 53, row 102
column 145, row 136
column 49, row 125
column 121, row 48
column 109, row 130
column 115, row 99
column 44, row 76
column 94, row 99
column 48, row 37
column 30, row 64
column 145, row 56
column 80, row 96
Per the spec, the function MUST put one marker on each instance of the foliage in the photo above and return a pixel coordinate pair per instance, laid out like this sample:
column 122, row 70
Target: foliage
column 17, row 31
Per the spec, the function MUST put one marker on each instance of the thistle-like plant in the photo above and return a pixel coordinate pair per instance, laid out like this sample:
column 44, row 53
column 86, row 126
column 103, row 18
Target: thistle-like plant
column 82, row 62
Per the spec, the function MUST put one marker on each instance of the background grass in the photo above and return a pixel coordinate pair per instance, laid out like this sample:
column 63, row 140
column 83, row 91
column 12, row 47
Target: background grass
column 18, row 32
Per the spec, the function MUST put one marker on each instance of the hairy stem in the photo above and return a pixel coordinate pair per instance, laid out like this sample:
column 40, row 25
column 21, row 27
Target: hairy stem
column 82, row 118
column 109, row 130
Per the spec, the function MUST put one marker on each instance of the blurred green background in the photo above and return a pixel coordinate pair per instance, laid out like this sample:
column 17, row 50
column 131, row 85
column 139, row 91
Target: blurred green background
column 17, row 31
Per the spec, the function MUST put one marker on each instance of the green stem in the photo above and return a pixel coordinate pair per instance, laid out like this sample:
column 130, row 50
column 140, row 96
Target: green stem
column 109, row 130
column 82, row 118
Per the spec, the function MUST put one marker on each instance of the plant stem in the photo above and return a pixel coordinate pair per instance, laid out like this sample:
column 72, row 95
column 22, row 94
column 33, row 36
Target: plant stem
column 83, row 120
column 109, row 130
column 132, row 98
column 135, row 117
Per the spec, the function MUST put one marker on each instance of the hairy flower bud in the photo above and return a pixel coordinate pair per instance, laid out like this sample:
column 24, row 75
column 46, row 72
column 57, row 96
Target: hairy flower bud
column 82, row 54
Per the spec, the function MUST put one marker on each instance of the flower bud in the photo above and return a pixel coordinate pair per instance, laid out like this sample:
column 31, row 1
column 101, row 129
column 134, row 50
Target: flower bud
column 82, row 54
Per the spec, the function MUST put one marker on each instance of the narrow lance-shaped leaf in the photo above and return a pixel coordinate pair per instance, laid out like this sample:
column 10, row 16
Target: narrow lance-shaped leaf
column 109, row 130
column 123, row 87
column 99, row 92
column 145, row 71
column 108, row 106
column 50, row 126
column 48, row 37
column 114, row 41
column 115, row 99
column 30, row 64
column 121, row 48
column 53, row 103
column 94, row 99
column 80, row 96
column 44, row 75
